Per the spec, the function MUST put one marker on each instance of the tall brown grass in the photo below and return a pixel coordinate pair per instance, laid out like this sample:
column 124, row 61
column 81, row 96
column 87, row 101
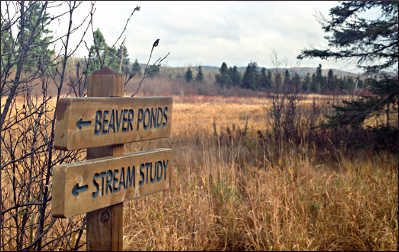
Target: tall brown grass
column 241, row 181
column 236, row 186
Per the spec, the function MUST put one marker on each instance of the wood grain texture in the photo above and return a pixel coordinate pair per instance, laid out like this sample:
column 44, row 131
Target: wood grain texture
column 105, row 226
column 152, row 173
column 102, row 123
column 98, row 121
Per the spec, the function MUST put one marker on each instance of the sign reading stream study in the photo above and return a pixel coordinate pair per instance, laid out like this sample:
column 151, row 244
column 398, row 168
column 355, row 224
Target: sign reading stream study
column 92, row 184
column 101, row 121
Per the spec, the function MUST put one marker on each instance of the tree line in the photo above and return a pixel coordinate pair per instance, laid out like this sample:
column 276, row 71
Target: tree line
column 286, row 81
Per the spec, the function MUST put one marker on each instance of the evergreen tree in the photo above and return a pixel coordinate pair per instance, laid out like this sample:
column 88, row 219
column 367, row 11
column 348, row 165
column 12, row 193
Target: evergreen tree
column 306, row 83
column 96, row 51
column 223, row 68
column 374, row 43
column 223, row 78
column 296, row 83
column 200, row 75
column 350, row 85
column 136, row 68
column 330, row 80
column 124, row 60
column 6, row 47
column 101, row 54
column 360, row 83
column 314, row 84
column 188, row 75
column 277, row 82
column 235, row 76
column 250, row 78
column 38, row 56
column 342, row 83
column 269, row 79
column 318, row 79
column 264, row 81
column 287, row 81
column 152, row 71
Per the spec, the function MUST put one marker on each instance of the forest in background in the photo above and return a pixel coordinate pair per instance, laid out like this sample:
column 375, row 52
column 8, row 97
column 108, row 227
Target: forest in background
column 290, row 165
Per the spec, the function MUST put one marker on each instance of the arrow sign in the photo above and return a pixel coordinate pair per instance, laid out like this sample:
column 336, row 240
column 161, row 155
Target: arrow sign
column 109, row 180
column 81, row 123
column 77, row 189
column 85, row 122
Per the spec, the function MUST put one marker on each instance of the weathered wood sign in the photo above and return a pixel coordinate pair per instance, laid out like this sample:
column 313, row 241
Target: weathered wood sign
column 97, row 183
column 98, row 186
column 100, row 121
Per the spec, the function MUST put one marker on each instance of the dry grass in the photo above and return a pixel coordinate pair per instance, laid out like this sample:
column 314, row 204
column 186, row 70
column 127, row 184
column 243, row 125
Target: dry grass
column 224, row 197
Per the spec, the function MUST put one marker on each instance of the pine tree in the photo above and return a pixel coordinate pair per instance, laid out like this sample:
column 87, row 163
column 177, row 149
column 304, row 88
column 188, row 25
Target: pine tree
column 200, row 75
column 250, row 78
column 124, row 60
column 277, row 82
column 330, row 80
column 296, row 81
column 223, row 78
column 269, row 78
column 264, row 81
column 39, row 55
column 152, row 71
column 6, row 48
column 314, row 84
column 287, row 81
column 373, row 43
column 100, row 54
column 136, row 68
column 223, row 68
column 318, row 80
column 306, row 83
column 360, row 83
column 96, row 51
column 188, row 75
column 235, row 76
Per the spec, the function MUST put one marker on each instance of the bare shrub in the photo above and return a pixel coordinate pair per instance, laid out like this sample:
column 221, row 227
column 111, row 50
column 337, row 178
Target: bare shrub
column 33, row 79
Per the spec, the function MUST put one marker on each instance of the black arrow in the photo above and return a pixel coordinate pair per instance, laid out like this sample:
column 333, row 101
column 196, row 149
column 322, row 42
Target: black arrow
column 77, row 189
column 81, row 123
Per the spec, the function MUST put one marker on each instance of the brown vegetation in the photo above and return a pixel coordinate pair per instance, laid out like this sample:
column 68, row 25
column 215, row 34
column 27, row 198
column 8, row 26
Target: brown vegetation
column 237, row 186
column 250, row 173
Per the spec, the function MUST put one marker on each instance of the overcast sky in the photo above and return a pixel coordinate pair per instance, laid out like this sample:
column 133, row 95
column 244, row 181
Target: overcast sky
column 208, row 33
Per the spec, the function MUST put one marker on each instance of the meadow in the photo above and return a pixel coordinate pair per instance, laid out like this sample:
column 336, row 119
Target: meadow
column 238, row 187
column 255, row 174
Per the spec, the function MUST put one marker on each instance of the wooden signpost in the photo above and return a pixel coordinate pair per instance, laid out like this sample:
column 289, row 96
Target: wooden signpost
column 98, row 183
column 98, row 121
column 98, row 186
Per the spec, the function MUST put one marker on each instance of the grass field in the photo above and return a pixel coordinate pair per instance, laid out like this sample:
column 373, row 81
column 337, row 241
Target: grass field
column 226, row 195
column 239, row 184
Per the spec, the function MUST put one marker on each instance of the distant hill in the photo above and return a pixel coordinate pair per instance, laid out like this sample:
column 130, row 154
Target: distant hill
column 302, row 71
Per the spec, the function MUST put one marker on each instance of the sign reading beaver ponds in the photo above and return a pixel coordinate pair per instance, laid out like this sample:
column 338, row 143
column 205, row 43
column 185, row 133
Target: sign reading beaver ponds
column 101, row 121
column 98, row 186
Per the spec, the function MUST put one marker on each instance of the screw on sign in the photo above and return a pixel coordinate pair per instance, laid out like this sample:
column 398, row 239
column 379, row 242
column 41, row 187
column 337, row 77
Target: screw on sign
column 102, row 123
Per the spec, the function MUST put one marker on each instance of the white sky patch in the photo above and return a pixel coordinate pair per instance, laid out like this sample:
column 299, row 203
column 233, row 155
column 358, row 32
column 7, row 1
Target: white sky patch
column 208, row 33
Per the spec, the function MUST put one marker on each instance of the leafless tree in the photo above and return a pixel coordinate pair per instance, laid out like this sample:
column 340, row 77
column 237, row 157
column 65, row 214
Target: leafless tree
column 29, row 96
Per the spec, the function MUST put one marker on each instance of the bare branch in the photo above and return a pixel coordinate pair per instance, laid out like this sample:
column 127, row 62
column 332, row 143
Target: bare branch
column 146, row 67
column 137, row 8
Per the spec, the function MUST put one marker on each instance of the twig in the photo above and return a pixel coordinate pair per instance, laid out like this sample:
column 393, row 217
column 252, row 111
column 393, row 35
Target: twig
column 146, row 67
column 137, row 8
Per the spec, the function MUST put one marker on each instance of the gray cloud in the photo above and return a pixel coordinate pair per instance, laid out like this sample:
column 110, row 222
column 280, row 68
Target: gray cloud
column 208, row 33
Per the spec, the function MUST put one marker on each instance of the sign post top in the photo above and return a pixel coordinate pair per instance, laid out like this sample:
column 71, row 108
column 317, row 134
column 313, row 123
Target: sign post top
column 105, row 70
column 105, row 83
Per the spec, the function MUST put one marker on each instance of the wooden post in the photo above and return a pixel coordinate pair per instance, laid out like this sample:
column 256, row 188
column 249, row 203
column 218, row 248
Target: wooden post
column 105, row 226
